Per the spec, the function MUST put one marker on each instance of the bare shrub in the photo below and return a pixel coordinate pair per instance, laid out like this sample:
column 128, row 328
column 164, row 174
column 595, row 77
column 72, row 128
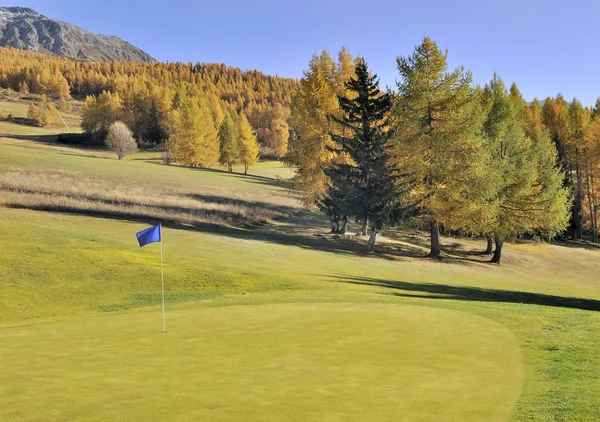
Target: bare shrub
column 167, row 156
column 120, row 140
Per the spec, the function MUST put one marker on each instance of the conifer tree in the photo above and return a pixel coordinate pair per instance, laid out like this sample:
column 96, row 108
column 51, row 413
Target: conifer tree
column 364, row 188
column 194, row 140
column 156, row 132
column 310, row 146
column 439, row 117
column 248, row 143
column 579, row 120
column 229, row 143
column 529, row 192
column 280, row 131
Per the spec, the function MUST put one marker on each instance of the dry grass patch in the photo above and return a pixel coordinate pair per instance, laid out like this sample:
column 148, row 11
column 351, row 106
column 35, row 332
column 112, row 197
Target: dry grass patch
column 80, row 193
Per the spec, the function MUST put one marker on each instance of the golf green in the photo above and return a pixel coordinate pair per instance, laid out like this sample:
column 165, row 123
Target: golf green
column 317, row 361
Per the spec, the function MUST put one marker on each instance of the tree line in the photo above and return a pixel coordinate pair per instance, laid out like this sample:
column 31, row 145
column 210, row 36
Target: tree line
column 440, row 152
column 154, row 101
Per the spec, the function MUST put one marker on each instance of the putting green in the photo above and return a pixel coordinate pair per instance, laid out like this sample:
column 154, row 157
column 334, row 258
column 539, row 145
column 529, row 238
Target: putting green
column 334, row 362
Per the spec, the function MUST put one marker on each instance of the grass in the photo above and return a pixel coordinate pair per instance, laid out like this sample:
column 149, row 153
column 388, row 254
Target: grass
column 265, row 362
column 17, row 106
column 80, row 193
column 275, row 323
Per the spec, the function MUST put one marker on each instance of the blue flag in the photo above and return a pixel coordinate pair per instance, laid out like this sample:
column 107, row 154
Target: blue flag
column 149, row 235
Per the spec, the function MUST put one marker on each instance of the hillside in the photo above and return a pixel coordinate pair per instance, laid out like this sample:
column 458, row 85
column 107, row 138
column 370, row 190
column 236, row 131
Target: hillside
column 357, row 336
column 26, row 29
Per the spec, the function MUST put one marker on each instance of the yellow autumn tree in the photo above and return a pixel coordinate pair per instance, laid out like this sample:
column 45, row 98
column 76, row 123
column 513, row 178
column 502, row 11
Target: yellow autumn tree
column 247, row 142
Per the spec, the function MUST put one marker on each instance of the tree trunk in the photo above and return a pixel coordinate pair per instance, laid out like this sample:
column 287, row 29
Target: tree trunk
column 435, row 240
column 490, row 246
column 344, row 225
column 363, row 230
column 245, row 167
column 371, row 241
column 333, row 226
column 498, row 252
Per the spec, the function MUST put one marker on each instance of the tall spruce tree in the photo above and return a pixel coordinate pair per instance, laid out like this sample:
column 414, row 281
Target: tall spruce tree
column 439, row 119
column 364, row 187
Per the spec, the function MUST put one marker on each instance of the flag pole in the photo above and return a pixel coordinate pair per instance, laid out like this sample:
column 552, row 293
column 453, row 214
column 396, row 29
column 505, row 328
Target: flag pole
column 162, row 279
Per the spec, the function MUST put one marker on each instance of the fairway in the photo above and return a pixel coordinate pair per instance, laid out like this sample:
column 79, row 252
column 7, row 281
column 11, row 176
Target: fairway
column 306, row 362
column 273, row 321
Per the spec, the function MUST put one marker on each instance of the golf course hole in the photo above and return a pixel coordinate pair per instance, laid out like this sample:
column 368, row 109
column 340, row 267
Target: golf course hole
column 310, row 362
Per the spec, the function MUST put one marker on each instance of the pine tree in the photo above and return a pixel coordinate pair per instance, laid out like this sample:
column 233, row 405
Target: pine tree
column 364, row 188
column 248, row 143
column 229, row 143
column 439, row 117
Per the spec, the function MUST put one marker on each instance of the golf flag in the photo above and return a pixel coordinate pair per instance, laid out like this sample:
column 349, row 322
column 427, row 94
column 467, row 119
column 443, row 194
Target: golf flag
column 149, row 235
column 152, row 235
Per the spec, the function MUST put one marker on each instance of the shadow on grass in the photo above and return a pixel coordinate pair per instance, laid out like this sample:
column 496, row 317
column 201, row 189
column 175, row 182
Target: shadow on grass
column 45, row 139
column 252, row 178
column 262, row 231
column 577, row 244
column 475, row 294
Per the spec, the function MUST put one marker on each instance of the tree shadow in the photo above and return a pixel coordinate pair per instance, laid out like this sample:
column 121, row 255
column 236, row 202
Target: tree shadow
column 577, row 244
column 252, row 178
column 45, row 139
column 224, row 200
column 262, row 231
column 475, row 294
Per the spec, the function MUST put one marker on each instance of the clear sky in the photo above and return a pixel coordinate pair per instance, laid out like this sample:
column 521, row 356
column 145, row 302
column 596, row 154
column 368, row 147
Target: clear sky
column 545, row 46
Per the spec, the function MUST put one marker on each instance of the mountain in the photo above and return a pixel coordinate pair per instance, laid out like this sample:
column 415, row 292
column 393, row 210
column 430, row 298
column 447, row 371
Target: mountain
column 26, row 29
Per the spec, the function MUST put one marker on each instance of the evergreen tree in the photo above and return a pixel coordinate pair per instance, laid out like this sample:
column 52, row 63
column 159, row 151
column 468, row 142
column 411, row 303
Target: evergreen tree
column 439, row 118
column 229, row 143
column 363, row 188
column 248, row 143
column 155, row 133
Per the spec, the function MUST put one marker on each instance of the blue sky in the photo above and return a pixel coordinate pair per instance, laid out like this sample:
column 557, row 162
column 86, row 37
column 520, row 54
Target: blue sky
column 545, row 46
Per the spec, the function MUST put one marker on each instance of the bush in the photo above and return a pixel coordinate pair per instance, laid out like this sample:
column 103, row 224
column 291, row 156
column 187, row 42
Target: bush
column 168, row 157
column 120, row 140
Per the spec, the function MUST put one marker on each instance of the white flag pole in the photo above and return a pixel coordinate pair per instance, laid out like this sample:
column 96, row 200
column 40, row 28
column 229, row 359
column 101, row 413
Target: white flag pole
column 162, row 279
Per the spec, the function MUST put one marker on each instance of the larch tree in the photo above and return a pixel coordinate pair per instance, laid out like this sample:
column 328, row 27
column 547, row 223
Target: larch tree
column 439, row 118
column 194, row 140
column 280, row 131
column 592, row 170
column 247, row 142
column 229, row 151
column 311, row 148
column 364, row 188
column 579, row 120
column 530, row 197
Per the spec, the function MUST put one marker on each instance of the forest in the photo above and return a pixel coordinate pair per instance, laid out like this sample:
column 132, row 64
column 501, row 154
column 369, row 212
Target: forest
column 440, row 152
